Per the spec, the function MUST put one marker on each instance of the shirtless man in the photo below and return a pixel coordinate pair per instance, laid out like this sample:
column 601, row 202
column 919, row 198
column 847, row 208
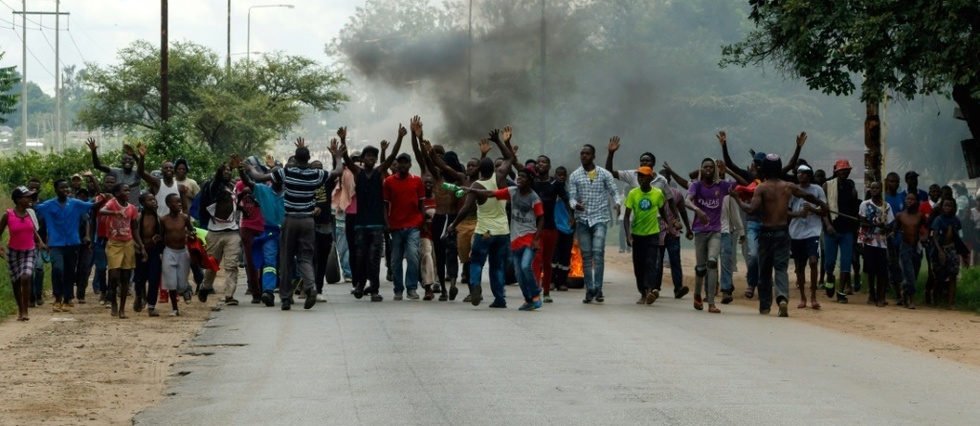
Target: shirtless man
column 176, row 261
column 771, row 200
column 464, row 231
column 911, row 222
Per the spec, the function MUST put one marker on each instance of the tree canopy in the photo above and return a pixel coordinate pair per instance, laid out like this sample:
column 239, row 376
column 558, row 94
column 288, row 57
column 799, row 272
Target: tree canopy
column 8, row 77
column 910, row 47
column 239, row 109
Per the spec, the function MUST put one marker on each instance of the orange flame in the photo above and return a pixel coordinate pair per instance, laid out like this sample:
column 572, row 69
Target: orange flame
column 575, row 269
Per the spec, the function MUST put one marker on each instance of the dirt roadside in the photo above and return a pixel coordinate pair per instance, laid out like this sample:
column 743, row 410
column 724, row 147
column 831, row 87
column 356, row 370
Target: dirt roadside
column 96, row 370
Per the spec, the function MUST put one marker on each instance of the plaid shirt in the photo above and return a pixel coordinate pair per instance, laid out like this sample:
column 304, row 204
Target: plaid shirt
column 594, row 194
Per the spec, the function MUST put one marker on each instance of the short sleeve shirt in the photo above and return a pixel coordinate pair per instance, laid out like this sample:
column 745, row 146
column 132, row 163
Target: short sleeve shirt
column 709, row 199
column 645, row 207
column 402, row 196
column 62, row 222
column 119, row 228
column 811, row 225
column 525, row 209
column 132, row 179
column 874, row 236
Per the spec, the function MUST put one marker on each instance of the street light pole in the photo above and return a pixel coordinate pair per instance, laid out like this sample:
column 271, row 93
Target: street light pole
column 248, row 42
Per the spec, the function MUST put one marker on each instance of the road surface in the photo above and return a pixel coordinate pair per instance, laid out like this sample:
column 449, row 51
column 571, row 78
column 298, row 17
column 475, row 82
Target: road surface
column 353, row 362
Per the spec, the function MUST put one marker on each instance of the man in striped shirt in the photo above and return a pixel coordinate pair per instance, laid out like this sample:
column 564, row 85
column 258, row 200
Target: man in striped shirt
column 589, row 189
column 300, row 183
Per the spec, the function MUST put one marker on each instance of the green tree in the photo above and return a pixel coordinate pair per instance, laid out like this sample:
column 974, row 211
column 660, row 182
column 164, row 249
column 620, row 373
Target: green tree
column 911, row 47
column 240, row 110
column 8, row 77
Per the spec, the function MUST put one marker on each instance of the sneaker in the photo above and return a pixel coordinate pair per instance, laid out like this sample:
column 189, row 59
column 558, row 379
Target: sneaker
column 652, row 296
column 310, row 299
column 588, row 297
column 231, row 301
column 202, row 295
column 320, row 298
column 536, row 302
column 599, row 298
column 137, row 305
column 682, row 292
column 642, row 299
column 526, row 306
column 152, row 311
column 500, row 304
column 56, row 307
column 453, row 291
column 783, row 312
column 468, row 298
column 256, row 300
column 726, row 298
column 187, row 295
column 390, row 277
column 67, row 305
column 347, row 280
column 81, row 301
column 358, row 291
column 413, row 295
column 547, row 299
column 398, row 296
column 376, row 298
column 841, row 298
column 286, row 305
column 444, row 296
column 428, row 293
column 268, row 298
column 175, row 313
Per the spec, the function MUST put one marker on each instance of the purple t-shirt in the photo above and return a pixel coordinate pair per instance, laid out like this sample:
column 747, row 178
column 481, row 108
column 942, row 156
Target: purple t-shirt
column 709, row 200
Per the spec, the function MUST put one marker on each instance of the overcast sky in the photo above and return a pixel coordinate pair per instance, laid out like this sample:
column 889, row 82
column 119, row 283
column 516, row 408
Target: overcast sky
column 101, row 27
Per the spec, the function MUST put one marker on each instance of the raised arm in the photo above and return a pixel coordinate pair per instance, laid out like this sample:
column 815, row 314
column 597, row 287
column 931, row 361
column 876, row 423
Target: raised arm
column 90, row 142
column 731, row 165
column 430, row 165
column 338, row 166
column 508, row 154
column 448, row 172
column 613, row 147
column 415, row 128
column 140, row 156
column 394, row 150
column 800, row 141
column 677, row 178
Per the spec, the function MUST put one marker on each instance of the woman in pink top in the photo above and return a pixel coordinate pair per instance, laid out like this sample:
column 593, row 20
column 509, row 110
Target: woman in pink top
column 21, row 248
column 250, row 227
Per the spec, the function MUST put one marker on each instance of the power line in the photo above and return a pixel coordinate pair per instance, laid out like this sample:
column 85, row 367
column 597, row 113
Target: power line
column 76, row 47
column 41, row 64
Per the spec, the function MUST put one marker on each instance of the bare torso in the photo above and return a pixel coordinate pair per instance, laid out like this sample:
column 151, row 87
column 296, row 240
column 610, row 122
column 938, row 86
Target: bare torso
column 175, row 231
column 776, row 196
column 911, row 223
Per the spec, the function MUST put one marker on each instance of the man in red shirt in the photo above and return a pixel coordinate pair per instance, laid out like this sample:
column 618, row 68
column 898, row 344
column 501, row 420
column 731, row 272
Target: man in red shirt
column 404, row 196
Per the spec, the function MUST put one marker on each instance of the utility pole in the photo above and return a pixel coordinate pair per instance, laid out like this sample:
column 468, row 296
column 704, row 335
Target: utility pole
column 23, row 78
column 872, row 144
column 469, row 53
column 58, row 140
column 228, row 46
column 543, row 132
column 164, row 74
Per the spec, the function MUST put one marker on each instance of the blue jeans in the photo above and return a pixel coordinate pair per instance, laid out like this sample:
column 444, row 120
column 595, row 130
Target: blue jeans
column 343, row 251
column 495, row 248
column 64, row 259
column 405, row 246
column 910, row 257
column 99, row 284
column 752, row 252
column 672, row 247
column 523, row 259
column 726, row 261
column 843, row 242
column 592, row 244
column 37, row 280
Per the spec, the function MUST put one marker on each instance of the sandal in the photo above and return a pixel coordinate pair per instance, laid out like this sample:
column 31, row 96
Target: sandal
column 749, row 293
column 714, row 310
column 697, row 302
column 802, row 304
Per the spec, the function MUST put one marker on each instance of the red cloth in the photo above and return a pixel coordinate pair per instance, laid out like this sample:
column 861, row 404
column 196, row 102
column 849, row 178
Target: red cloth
column 744, row 192
column 199, row 256
column 402, row 196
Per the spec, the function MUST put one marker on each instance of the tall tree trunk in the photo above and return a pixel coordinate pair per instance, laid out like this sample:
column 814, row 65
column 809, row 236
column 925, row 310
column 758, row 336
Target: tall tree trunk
column 970, row 107
column 872, row 145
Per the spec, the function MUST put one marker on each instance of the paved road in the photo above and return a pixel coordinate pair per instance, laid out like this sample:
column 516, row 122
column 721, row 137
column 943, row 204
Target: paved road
column 352, row 362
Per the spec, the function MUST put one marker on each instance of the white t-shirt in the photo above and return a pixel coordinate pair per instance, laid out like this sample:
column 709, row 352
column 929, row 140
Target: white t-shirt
column 811, row 225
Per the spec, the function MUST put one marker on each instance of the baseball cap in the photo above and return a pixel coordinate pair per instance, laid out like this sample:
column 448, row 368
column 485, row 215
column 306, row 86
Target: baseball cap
column 355, row 153
column 403, row 157
column 842, row 164
column 804, row 168
column 644, row 170
column 76, row 176
column 759, row 157
column 21, row 192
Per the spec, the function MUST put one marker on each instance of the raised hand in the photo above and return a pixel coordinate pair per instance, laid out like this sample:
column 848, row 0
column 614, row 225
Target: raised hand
column 342, row 133
column 484, row 146
column 300, row 143
column 416, row 126
column 270, row 161
column 614, row 144
column 334, row 145
column 90, row 143
column 514, row 149
column 235, row 161
column 722, row 138
column 141, row 149
column 666, row 167
column 507, row 133
column 801, row 139
column 402, row 131
column 426, row 146
column 385, row 144
column 495, row 135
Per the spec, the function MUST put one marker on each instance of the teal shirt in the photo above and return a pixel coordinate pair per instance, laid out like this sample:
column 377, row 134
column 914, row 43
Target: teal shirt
column 272, row 204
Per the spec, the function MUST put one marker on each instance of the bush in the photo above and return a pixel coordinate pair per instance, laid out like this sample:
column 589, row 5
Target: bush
column 968, row 290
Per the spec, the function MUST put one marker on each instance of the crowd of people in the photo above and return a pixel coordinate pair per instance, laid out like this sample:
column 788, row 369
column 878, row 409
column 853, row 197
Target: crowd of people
column 290, row 225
